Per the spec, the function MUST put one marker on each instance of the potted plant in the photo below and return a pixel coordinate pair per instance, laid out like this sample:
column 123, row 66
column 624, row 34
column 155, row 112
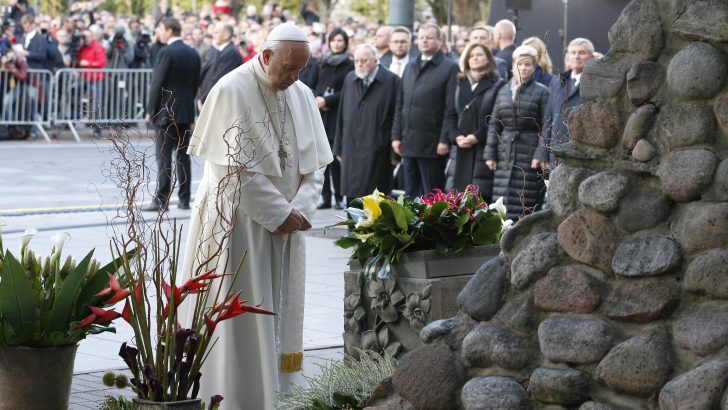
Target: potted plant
column 410, row 259
column 47, row 306
column 166, row 360
column 382, row 229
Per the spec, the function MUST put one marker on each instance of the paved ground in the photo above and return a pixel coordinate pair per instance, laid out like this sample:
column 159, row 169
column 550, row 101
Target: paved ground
column 61, row 187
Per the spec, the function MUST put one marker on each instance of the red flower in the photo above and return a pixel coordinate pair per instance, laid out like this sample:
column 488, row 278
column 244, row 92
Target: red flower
column 13, row 40
column 195, row 285
column 116, row 289
column 233, row 306
column 99, row 316
column 126, row 313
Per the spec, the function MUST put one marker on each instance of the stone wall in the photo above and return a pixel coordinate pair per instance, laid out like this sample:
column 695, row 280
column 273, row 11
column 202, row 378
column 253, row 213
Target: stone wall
column 616, row 296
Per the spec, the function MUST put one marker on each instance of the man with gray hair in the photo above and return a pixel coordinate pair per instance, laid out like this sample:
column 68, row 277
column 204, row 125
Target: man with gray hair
column 265, row 151
column 366, row 113
column 563, row 101
column 225, row 58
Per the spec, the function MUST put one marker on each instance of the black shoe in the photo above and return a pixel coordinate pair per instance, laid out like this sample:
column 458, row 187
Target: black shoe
column 155, row 206
column 324, row 205
column 184, row 205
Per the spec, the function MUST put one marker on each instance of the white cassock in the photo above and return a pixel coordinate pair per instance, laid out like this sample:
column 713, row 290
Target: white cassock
column 256, row 355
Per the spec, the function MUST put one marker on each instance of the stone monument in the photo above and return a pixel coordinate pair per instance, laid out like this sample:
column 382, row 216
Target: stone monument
column 616, row 296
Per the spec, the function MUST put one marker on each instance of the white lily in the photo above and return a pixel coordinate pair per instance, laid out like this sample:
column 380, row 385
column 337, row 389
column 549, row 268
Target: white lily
column 506, row 224
column 500, row 207
column 363, row 236
column 58, row 240
column 25, row 240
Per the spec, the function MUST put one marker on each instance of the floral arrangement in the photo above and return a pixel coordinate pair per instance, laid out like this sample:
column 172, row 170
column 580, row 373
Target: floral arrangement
column 381, row 229
column 52, row 301
column 167, row 358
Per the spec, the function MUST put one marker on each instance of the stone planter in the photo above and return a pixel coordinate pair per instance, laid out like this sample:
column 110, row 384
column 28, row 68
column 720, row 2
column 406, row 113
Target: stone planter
column 191, row 404
column 36, row 378
column 389, row 314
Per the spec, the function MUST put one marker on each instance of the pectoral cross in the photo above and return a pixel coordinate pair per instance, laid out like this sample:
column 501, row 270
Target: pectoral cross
column 282, row 156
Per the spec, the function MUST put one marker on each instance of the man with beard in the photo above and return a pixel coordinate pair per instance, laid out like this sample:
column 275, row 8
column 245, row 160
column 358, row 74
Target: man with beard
column 400, row 43
column 366, row 113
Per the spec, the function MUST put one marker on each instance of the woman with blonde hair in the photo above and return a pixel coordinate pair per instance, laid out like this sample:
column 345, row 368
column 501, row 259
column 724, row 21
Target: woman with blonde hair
column 544, row 66
column 513, row 137
column 466, row 120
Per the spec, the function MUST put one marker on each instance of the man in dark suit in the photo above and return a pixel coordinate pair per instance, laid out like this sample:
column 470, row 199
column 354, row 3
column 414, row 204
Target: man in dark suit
column 563, row 101
column 171, row 107
column 366, row 113
column 225, row 58
column 428, row 86
column 400, row 51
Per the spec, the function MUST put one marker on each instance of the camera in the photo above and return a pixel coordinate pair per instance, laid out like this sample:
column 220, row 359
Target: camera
column 75, row 44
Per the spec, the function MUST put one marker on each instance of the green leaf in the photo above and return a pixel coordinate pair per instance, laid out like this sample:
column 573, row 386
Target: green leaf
column 461, row 221
column 486, row 228
column 17, row 306
column 65, row 303
column 347, row 242
column 435, row 211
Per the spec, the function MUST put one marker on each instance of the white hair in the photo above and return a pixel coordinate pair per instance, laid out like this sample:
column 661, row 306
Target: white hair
column 579, row 41
column 367, row 47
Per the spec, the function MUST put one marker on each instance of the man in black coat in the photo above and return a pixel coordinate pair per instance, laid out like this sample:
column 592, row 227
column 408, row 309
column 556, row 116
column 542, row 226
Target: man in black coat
column 225, row 58
column 366, row 113
column 171, row 107
column 505, row 35
column 428, row 86
column 563, row 101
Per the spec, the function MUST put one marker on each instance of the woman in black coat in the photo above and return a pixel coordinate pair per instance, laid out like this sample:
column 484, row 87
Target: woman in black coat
column 327, row 80
column 466, row 123
column 513, row 137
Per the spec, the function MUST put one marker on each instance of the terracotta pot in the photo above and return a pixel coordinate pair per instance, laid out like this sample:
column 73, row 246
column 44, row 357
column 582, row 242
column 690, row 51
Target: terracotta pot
column 36, row 378
column 191, row 404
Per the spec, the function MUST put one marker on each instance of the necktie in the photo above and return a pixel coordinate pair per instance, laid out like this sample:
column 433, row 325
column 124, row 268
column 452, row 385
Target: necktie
column 423, row 63
column 365, row 81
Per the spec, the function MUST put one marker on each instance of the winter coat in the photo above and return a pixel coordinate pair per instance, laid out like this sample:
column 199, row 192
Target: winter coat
column 326, row 81
column 564, row 98
column 513, row 138
column 422, row 103
column 470, row 114
column 362, row 133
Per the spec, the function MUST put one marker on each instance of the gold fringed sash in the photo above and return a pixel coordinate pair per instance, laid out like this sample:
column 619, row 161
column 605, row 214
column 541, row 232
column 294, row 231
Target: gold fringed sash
column 291, row 362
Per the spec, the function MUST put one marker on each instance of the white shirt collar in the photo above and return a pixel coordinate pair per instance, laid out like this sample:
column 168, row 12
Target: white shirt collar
column 576, row 77
column 221, row 46
column 373, row 74
column 173, row 39
column 29, row 37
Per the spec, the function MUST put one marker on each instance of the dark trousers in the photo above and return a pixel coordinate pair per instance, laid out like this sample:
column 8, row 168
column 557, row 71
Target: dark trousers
column 332, row 176
column 173, row 138
column 422, row 175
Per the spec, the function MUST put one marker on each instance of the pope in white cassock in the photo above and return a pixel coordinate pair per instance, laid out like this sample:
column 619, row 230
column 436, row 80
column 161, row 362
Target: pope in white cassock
column 265, row 150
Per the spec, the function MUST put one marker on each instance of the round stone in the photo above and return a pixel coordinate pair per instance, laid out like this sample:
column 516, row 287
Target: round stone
column 638, row 30
column 638, row 366
column 564, row 188
column 535, row 259
column 720, row 108
column 699, row 388
column 568, row 289
column 698, row 71
column 580, row 340
column 494, row 393
column 589, row 237
column 643, row 209
column 701, row 226
column 489, row 344
column 568, row 387
column 603, row 190
column 646, row 256
column 644, row 151
column 722, row 175
column 683, row 125
column 641, row 300
column 637, row 125
column 702, row 328
column 643, row 81
column 481, row 296
column 708, row 273
column 685, row 174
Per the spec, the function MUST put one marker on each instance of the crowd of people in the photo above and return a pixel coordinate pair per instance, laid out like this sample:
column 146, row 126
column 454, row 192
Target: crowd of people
column 404, row 109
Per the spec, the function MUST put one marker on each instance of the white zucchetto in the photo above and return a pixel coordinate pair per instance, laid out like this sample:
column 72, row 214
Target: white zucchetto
column 287, row 32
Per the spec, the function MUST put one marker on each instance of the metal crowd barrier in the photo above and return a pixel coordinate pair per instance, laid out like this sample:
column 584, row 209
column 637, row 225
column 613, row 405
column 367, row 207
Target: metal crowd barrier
column 100, row 97
column 26, row 101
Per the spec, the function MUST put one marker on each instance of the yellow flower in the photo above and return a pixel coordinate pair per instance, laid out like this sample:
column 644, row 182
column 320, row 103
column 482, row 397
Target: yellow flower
column 371, row 205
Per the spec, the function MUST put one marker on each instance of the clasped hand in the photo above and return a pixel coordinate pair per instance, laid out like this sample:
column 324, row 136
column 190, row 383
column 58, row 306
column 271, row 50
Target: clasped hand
column 294, row 222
